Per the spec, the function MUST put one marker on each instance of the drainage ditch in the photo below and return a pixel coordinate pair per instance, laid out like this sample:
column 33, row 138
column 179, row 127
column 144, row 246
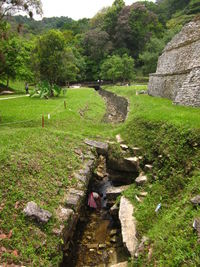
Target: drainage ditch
column 97, row 240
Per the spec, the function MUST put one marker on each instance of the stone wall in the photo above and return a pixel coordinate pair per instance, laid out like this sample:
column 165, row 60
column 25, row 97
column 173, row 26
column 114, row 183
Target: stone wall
column 117, row 107
column 178, row 69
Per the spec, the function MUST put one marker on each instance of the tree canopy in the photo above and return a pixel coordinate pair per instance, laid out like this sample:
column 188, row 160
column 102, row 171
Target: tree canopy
column 117, row 42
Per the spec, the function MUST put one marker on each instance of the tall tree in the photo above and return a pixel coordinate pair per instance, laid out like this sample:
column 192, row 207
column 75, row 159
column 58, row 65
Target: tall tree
column 116, row 68
column 135, row 26
column 53, row 61
column 10, row 7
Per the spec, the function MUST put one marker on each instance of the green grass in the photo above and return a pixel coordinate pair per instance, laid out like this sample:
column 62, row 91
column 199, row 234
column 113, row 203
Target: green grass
column 38, row 164
column 160, row 128
column 158, row 109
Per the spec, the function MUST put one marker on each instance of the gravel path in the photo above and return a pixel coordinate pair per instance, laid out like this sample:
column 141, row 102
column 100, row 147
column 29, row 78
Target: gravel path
column 13, row 97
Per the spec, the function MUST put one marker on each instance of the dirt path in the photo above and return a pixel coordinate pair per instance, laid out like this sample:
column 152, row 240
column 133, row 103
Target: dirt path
column 13, row 97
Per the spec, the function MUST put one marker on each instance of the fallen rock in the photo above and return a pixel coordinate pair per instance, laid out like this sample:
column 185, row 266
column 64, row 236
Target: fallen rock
column 196, row 225
column 113, row 232
column 141, row 246
column 119, row 139
column 64, row 214
column 134, row 160
column 102, row 246
column 114, row 210
column 72, row 201
column 124, row 147
column 148, row 167
column 138, row 199
column 143, row 194
column 102, row 148
column 121, row 178
column 33, row 210
column 74, row 191
column 114, row 191
column 195, row 200
column 123, row 164
column 141, row 179
column 6, row 93
column 92, row 246
column 136, row 150
column 121, row 264
column 128, row 225
column 113, row 239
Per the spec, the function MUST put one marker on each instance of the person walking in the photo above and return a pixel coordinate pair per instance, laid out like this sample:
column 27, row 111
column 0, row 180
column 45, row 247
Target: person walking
column 26, row 88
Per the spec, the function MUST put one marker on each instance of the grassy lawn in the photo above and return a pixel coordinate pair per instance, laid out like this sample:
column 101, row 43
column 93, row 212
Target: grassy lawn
column 38, row 164
column 169, row 136
column 158, row 109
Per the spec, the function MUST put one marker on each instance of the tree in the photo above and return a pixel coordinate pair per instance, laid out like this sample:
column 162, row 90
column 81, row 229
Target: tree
column 10, row 7
column 9, row 59
column 135, row 26
column 111, row 16
column 97, row 46
column 118, row 68
column 53, row 61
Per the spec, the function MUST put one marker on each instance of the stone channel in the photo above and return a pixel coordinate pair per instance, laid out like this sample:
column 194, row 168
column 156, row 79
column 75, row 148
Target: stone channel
column 106, row 237
column 97, row 238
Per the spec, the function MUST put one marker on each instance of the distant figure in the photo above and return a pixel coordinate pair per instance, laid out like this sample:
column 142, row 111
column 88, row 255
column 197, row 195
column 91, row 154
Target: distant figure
column 94, row 200
column 26, row 88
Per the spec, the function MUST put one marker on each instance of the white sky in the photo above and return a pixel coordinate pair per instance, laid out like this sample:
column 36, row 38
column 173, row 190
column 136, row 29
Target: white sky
column 76, row 9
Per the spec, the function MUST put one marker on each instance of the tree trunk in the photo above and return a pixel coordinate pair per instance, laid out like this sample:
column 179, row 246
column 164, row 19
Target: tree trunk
column 7, row 83
column 51, row 90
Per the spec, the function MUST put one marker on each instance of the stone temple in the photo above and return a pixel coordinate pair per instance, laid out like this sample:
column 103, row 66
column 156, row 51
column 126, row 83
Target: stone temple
column 178, row 71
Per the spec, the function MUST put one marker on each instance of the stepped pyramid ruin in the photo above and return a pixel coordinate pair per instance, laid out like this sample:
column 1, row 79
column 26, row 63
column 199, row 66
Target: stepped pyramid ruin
column 178, row 71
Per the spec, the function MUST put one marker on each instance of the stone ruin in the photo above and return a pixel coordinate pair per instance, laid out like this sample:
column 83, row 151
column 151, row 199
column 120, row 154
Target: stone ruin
column 178, row 71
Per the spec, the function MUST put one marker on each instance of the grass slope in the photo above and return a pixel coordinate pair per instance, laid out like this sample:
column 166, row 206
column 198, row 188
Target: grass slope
column 38, row 165
column 170, row 140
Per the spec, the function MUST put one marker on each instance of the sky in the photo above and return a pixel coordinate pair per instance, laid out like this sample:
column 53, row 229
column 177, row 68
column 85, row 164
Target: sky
column 76, row 9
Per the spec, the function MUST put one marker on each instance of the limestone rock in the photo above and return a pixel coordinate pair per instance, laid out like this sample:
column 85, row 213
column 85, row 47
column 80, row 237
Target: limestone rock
column 64, row 214
column 73, row 201
column 124, row 147
column 143, row 194
column 141, row 179
column 148, row 167
column 141, row 246
column 196, row 225
column 124, row 164
column 114, row 191
column 136, row 150
column 196, row 200
column 121, row 178
column 178, row 70
column 33, row 210
column 128, row 225
column 102, row 148
column 121, row 264
column 114, row 210
column 119, row 139
column 113, row 232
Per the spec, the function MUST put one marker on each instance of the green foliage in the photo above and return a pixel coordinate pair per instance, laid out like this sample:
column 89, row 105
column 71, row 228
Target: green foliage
column 9, row 7
column 53, row 60
column 116, row 68
column 169, row 137
column 45, row 90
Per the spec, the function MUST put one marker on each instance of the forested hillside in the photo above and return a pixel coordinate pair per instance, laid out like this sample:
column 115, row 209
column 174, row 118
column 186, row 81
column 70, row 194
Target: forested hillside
column 117, row 44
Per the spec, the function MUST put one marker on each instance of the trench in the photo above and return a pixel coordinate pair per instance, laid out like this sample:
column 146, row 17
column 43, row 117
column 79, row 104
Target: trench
column 116, row 107
column 97, row 240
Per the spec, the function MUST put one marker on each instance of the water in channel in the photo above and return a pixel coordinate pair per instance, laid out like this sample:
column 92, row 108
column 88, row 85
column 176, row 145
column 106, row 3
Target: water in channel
column 97, row 241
